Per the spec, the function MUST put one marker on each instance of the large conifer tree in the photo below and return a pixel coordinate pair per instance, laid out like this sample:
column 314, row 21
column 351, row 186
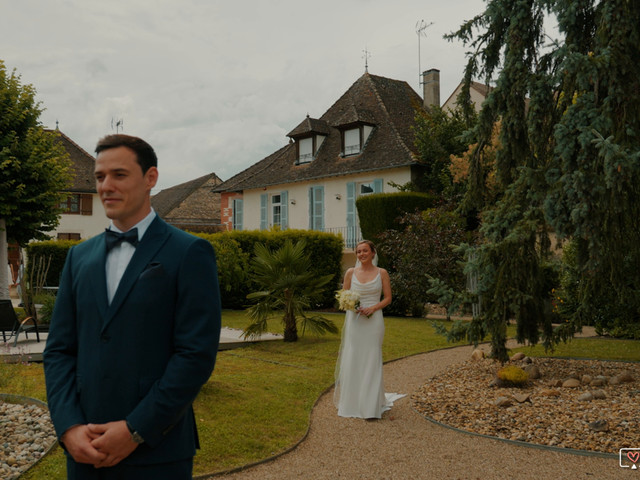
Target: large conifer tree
column 568, row 162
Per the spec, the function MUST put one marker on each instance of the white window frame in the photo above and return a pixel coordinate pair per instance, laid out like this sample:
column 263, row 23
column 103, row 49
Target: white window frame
column 276, row 209
column 352, row 141
column 237, row 214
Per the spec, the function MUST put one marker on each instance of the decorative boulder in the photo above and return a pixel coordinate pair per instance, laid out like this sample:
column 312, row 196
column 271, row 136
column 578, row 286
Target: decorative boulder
column 599, row 426
column 477, row 354
column 503, row 402
column 571, row 383
column 549, row 392
column 517, row 357
column 586, row 397
column 533, row 371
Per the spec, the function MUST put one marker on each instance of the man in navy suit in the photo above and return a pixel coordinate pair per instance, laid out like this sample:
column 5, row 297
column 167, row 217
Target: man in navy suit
column 134, row 333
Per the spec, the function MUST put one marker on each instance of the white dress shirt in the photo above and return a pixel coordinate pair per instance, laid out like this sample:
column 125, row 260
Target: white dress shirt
column 118, row 258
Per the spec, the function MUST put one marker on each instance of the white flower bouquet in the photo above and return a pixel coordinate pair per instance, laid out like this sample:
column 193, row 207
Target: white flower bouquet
column 348, row 300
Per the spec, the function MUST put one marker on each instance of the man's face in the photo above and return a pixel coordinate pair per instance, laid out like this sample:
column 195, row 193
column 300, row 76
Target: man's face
column 123, row 189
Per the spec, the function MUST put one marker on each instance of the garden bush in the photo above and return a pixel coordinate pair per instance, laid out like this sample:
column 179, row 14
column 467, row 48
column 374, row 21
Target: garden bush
column 423, row 248
column 325, row 250
column 54, row 250
column 512, row 376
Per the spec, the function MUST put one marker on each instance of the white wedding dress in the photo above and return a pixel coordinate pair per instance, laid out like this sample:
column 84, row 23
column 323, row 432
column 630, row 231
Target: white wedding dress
column 359, row 390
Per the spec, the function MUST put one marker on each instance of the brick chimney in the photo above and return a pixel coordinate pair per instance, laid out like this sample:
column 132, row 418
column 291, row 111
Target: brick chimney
column 431, row 87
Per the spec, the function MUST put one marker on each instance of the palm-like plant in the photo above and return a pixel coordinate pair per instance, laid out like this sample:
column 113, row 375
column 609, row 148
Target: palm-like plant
column 287, row 284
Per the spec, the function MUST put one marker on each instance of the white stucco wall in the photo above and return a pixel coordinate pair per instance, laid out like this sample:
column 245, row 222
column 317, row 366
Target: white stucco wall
column 335, row 210
column 86, row 225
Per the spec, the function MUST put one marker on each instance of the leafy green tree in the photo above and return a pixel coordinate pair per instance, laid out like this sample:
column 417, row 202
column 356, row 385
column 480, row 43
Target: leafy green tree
column 568, row 160
column 439, row 135
column 289, row 287
column 34, row 170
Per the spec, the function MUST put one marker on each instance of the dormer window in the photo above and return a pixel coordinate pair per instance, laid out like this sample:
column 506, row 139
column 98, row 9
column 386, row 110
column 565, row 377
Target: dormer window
column 352, row 141
column 308, row 147
column 354, row 138
column 309, row 136
column 305, row 150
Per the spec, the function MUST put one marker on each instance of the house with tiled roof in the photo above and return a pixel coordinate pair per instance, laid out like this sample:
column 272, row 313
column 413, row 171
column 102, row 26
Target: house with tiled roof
column 362, row 144
column 192, row 205
column 82, row 215
column 478, row 92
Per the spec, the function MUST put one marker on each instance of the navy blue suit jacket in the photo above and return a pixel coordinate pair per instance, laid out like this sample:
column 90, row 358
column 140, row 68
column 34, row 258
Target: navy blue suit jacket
column 145, row 356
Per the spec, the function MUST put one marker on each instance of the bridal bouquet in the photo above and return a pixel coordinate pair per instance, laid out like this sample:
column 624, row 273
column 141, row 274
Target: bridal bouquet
column 348, row 300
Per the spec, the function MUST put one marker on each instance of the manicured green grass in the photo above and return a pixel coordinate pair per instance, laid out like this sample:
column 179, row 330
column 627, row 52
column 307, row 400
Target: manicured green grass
column 592, row 348
column 258, row 400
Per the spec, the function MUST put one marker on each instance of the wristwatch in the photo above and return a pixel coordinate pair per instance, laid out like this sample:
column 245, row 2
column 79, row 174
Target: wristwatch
column 135, row 436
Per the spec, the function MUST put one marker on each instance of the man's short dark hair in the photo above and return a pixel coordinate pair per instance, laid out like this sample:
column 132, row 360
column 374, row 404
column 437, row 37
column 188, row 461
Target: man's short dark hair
column 144, row 152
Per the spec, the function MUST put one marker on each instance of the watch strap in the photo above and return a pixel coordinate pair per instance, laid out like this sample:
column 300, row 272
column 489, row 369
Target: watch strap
column 135, row 436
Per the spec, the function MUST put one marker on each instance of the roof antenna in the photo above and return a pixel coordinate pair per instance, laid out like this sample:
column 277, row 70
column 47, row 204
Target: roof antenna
column 366, row 54
column 119, row 124
column 421, row 26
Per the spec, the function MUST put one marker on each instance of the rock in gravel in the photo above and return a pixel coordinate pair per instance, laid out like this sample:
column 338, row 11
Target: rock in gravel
column 532, row 371
column 503, row 402
column 571, row 383
column 477, row 354
column 522, row 397
column 517, row 357
column 599, row 394
column 623, row 377
column 586, row 397
column 599, row 426
column 549, row 392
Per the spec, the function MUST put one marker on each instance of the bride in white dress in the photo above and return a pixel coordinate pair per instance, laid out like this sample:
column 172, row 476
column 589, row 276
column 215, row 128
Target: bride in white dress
column 359, row 390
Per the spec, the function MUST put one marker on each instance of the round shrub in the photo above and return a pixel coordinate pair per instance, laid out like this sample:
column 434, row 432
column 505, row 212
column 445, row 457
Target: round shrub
column 512, row 376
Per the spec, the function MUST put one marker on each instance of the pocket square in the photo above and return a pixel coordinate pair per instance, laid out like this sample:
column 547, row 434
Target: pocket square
column 154, row 269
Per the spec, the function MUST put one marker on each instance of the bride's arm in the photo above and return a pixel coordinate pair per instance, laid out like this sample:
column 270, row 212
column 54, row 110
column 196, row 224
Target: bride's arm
column 386, row 290
column 346, row 283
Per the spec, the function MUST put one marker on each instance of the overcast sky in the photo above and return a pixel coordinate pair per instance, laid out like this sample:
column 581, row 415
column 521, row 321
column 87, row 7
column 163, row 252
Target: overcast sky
column 213, row 85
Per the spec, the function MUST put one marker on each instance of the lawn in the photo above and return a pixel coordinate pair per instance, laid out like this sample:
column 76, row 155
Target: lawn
column 258, row 400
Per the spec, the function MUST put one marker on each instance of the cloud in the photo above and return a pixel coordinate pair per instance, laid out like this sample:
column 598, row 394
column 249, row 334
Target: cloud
column 215, row 86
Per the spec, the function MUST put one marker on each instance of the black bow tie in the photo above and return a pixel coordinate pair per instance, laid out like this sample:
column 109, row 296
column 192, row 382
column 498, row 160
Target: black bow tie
column 114, row 238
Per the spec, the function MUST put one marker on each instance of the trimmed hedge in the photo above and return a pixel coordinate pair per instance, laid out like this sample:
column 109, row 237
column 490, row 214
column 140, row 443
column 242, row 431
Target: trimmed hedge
column 56, row 250
column 379, row 212
column 233, row 251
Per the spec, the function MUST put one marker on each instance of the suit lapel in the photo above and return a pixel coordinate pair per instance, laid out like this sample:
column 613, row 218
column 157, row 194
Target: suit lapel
column 99, row 281
column 153, row 239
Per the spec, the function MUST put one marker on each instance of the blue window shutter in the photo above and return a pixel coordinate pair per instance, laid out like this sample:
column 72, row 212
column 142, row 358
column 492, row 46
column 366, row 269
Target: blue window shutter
column 263, row 211
column 377, row 185
column 351, row 214
column 310, row 208
column 237, row 214
column 284, row 209
column 319, row 213
column 316, row 208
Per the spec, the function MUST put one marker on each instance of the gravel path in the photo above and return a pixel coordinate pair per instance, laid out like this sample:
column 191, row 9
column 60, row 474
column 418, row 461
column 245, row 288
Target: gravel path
column 404, row 445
